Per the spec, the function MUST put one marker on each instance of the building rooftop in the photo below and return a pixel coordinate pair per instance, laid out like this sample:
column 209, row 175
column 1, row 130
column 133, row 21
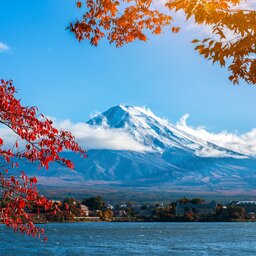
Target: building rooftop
column 246, row 202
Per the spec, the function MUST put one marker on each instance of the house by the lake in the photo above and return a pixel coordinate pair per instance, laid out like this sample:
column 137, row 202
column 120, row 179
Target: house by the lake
column 249, row 206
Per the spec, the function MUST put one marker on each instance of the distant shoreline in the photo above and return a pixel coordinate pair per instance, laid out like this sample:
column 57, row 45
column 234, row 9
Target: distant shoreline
column 141, row 221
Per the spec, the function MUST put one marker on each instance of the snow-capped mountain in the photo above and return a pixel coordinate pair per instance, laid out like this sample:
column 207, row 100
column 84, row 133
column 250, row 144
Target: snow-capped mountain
column 156, row 133
column 173, row 160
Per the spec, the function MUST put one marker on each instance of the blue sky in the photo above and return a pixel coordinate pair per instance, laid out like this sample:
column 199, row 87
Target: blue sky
column 67, row 79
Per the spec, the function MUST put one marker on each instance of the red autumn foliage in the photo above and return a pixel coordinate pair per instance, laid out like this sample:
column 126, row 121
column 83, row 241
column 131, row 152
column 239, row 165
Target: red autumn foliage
column 43, row 144
column 232, row 25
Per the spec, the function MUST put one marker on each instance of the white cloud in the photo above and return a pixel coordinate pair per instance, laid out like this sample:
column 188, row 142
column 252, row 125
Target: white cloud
column 4, row 47
column 206, row 30
column 211, row 152
column 244, row 144
column 88, row 137
column 8, row 136
column 247, row 5
column 101, row 137
column 104, row 137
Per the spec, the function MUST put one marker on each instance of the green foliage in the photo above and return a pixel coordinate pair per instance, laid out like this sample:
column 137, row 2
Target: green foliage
column 235, row 212
column 143, row 207
column 185, row 200
column 197, row 201
column 94, row 203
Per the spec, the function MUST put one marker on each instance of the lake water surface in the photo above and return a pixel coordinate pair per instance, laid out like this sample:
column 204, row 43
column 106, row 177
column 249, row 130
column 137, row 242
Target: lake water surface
column 119, row 239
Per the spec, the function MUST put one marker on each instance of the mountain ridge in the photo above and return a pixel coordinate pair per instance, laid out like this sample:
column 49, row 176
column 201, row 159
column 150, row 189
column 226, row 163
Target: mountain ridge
column 150, row 130
column 175, row 161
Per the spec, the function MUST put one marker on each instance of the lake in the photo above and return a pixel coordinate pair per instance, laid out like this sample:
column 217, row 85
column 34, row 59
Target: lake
column 118, row 239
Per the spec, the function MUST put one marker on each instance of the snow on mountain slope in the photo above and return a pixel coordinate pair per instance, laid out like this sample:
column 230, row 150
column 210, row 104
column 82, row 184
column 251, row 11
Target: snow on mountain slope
column 177, row 161
column 152, row 131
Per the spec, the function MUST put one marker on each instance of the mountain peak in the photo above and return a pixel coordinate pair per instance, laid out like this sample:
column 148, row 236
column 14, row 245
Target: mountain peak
column 123, row 116
column 139, row 112
column 156, row 133
column 114, row 117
